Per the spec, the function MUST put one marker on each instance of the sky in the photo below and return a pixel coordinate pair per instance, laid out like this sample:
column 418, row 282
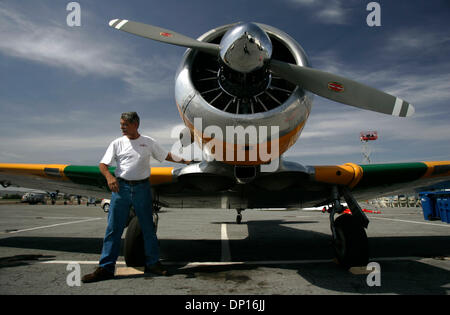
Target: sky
column 62, row 88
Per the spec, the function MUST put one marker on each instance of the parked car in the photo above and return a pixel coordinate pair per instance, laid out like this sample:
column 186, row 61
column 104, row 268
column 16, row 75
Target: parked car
column 25, row 197
column 91, row 201
column 105, row 204
column 34, row 198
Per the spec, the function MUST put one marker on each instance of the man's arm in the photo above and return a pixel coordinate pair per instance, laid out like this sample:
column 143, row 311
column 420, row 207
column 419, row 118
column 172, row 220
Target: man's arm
column 173, row 158
column 113, row 184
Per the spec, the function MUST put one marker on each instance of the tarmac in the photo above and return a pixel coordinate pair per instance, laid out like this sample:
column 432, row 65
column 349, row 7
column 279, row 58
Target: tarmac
column 44, row 249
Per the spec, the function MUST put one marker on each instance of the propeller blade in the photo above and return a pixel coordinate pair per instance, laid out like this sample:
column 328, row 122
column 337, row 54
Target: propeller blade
column 342, row 90
column 163, row 35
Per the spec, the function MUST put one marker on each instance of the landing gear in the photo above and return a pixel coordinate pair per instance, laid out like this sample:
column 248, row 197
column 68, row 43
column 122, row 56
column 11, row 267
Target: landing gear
column 349, row 237
column 239, row 216
column 350, row 243
column 133, row 250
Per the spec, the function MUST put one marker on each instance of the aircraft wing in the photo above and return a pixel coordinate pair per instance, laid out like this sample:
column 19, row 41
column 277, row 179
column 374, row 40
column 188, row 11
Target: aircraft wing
column 212, row 184
column 83, row 180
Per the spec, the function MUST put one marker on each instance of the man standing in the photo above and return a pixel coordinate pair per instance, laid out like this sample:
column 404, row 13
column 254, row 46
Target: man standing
column 130, row 187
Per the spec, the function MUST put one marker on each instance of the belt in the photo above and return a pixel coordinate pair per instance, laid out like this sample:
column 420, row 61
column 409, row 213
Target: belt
column 133, row 182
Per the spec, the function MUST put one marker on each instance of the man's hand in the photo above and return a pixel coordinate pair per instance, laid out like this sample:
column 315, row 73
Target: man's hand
column 113, row 184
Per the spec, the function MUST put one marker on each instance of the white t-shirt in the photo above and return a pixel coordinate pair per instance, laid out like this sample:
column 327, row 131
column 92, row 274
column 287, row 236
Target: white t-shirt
column 133, row 156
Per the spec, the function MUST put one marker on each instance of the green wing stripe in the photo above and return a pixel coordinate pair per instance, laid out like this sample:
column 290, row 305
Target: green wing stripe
column 386, row 174
column 86, row 175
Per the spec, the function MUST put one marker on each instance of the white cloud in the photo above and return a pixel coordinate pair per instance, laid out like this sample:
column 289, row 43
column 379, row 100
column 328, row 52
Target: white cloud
column 417, row 40
column 56, row 46
column 327, row 12
column 343, row 123
column 83, row 53
column 71, row 145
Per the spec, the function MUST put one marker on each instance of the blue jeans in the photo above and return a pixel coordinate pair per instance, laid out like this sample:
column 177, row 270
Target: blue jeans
column 140, row 197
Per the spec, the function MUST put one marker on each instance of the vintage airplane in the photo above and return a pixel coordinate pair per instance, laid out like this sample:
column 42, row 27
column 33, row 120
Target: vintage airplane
column 251, row 75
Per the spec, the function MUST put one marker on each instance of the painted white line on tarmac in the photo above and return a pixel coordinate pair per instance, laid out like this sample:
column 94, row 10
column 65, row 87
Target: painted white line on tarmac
column 52, row 225
column 38, row 217
column 408, row 221
column 226, row 255
column 256, row 262
column 202, row 263
column 80, row 262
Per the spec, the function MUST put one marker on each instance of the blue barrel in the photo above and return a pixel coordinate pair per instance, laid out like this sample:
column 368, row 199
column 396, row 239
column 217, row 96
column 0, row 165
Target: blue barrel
column 428, row 206
column 443, row 206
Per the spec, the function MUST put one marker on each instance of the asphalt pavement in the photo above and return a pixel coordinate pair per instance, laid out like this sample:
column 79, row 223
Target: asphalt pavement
column 44, row 249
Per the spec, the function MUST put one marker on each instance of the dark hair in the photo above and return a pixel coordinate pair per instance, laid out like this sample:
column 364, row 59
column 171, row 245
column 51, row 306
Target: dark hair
column 131, row 117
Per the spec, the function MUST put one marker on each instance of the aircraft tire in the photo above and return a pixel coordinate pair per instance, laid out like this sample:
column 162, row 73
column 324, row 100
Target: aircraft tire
column 351, row 245
column 134, row 244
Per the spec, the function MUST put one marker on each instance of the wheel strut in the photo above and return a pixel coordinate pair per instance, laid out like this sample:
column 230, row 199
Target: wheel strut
column 336, row 207
column 239, row 216
column 348, row 230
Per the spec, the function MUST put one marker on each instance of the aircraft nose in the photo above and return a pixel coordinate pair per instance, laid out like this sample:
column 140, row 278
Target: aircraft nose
column 245, row 47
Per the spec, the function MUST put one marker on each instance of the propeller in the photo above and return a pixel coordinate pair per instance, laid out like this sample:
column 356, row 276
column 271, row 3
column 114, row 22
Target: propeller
column 328, row 85
column 163, row 35
column 342, row 90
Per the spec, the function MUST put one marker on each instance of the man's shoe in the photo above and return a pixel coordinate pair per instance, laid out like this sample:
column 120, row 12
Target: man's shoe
column 99, row 274
column 156, row 269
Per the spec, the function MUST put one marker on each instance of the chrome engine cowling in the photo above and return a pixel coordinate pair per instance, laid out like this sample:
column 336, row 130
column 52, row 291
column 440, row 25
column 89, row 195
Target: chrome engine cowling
column 207, row 88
